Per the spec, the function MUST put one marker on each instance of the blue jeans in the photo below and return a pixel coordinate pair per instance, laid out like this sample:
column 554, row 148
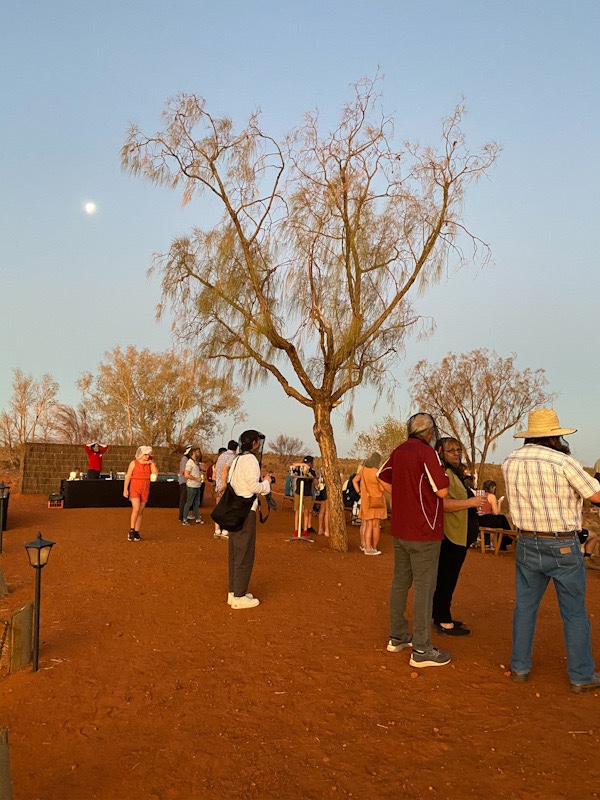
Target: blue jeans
column 537, row 561
column 414, row 563
column 193, row 502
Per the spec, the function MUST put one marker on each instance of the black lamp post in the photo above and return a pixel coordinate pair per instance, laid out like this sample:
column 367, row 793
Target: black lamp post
column 4, row 495
column 38, row 552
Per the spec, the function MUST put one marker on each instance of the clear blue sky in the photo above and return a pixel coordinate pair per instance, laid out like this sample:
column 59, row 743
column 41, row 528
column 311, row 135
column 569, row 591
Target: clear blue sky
column 73, row 75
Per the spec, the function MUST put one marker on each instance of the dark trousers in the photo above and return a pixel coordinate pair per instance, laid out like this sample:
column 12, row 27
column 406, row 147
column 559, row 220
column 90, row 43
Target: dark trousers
column 452, row 557
column 93, row 474
column 241, row 555
column 182, row 499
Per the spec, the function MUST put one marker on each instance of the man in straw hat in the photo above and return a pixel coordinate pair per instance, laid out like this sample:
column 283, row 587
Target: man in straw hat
column 546, row 488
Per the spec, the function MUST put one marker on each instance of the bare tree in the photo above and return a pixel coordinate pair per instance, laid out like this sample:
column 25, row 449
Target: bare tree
column 307, row 276
column 382, row 437
column 476, row 397
column 30, row 412
column 156, row 398
column 286, row 446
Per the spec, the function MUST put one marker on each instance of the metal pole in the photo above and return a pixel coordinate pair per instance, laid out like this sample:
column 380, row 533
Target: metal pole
column 300, row 509
column 300, row 537
column 36, row 618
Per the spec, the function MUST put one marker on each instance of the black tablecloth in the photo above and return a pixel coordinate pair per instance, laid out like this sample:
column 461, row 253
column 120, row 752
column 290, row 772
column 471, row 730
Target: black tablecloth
column 109, row 494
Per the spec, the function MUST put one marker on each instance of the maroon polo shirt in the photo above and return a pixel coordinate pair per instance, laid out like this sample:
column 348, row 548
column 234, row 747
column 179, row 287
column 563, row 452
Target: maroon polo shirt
column 415, row 473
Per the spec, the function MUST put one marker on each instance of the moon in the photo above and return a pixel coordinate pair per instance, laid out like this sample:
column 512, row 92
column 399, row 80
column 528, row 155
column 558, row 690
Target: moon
column 90, row 207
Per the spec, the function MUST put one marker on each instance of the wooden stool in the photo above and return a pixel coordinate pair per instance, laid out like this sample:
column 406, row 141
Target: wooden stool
column 495, row 535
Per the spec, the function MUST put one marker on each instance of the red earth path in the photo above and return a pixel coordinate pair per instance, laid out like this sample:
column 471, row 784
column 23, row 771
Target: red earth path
column 151, row 688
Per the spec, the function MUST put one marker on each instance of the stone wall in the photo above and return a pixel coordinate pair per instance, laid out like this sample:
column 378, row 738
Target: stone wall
column 43, row 466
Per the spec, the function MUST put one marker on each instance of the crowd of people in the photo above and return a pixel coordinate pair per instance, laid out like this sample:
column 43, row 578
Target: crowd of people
column 546, row 488
column 435, row 517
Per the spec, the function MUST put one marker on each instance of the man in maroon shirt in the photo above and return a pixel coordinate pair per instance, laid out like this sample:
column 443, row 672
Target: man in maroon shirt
column 416, row 479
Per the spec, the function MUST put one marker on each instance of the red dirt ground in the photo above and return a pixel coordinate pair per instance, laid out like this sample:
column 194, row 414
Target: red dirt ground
column 151, row 688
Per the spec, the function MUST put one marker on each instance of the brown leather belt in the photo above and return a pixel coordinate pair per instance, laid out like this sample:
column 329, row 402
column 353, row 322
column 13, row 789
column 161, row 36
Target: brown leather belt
column 543, row 535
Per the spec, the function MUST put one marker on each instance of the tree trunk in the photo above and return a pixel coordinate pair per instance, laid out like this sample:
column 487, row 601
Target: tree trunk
column 323, row 432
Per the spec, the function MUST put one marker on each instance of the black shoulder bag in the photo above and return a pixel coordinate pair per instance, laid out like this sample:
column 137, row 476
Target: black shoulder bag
column 231, row 511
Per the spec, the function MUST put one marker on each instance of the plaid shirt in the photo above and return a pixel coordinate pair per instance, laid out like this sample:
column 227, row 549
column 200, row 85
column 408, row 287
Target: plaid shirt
column 545, row 489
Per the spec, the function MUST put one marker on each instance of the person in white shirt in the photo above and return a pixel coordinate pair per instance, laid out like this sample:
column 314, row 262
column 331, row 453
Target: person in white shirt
column 224, row 461
column 546, row 488
column 194, row 479
column 245, row 479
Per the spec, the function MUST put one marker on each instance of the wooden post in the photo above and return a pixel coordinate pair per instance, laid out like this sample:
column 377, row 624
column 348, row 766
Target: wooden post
column 21, row 625
column 3, row 586
column 5, row 785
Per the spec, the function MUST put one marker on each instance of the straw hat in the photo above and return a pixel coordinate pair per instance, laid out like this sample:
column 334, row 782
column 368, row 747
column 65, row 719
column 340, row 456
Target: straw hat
column 541, row 423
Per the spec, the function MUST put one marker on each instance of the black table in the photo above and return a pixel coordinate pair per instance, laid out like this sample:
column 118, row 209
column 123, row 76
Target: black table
column 109, row 494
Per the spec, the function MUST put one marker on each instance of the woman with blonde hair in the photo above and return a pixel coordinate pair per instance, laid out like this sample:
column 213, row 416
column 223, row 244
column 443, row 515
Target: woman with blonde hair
column 137, row 488
column 373, row 507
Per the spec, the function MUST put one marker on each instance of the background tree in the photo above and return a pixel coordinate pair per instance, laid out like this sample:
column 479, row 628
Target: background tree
column 157, row 398
column 29, row 415
column 307, row 275
column 476, row 397
column 286, row 446
column 75, row 425
column 382, row 437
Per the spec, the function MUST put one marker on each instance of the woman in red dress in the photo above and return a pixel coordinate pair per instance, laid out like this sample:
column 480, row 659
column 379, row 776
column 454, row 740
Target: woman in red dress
column 137, row 488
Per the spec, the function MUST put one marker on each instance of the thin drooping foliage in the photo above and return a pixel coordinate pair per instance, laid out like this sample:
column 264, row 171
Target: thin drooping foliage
column 323, row 237
column 29, row 413
column 382, row 437
column 476, row 397
column 156, row 398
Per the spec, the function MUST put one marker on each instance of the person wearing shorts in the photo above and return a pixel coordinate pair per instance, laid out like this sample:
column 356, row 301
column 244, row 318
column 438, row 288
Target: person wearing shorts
column 224, row 461
column 587, row 542
column 137, row 488
column 321, row 499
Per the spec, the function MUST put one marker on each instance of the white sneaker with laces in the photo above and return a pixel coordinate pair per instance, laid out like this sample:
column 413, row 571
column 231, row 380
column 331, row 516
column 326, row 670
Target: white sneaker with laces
column 230, row 597
column 244, row 602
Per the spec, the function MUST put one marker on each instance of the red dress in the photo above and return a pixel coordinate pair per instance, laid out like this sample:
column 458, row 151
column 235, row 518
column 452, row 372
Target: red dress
column 139, row 485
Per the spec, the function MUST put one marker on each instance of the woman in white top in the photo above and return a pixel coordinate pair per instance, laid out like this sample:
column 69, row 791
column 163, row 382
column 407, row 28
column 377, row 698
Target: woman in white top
column 194, row 480
column 244, row 477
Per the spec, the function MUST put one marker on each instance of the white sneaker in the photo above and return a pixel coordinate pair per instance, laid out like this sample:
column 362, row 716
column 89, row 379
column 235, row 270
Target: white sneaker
column 230, row 597
column 244, row 602
column 372, row 552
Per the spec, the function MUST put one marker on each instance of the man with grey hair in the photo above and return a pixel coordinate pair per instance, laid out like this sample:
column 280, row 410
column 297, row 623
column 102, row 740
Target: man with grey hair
column 417, row 482
column 546, row 488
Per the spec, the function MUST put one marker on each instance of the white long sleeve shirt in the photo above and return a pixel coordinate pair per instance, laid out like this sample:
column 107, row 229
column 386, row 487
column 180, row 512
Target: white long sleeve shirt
column 244, row 476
